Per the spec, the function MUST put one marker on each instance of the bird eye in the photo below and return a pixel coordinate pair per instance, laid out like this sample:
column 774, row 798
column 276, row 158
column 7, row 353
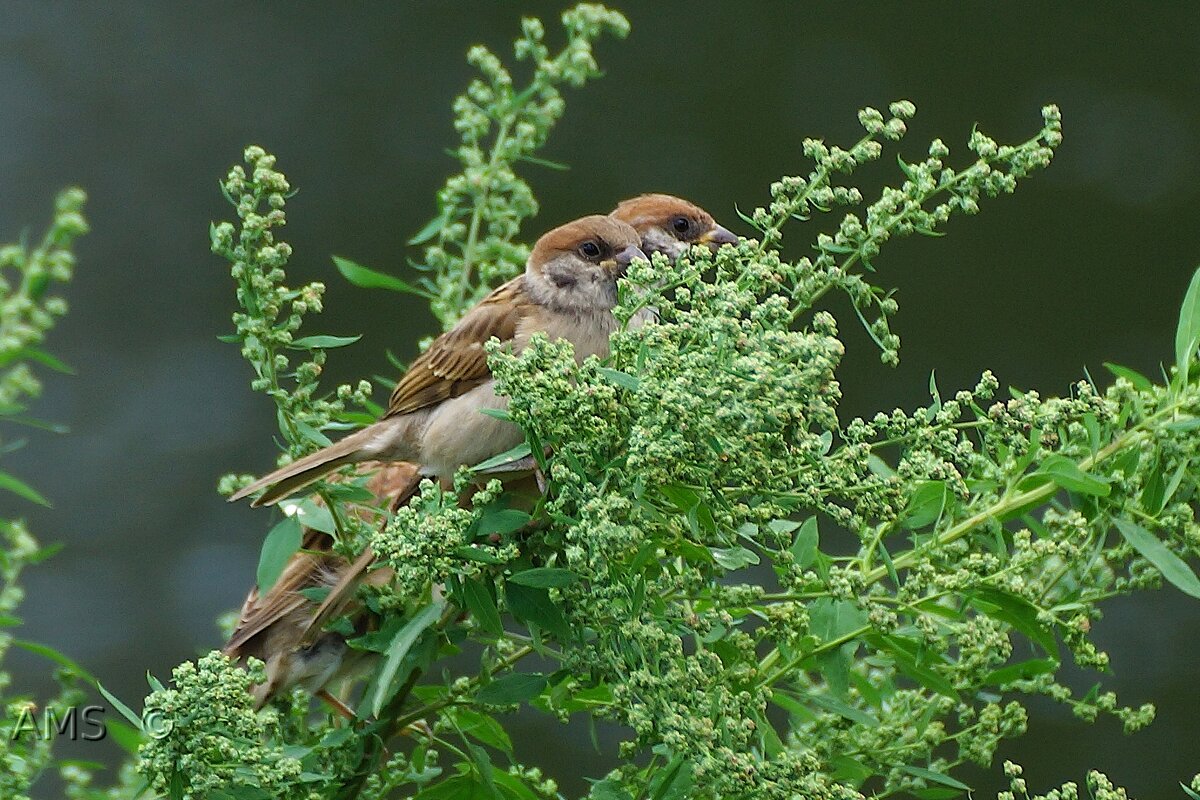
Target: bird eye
column 681, row 224
column 590, row 250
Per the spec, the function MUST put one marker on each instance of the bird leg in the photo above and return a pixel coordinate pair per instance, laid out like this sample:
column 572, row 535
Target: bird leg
column 338, row 706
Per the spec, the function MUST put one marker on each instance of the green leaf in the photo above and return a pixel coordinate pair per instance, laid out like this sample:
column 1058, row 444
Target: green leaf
column 1139, row 381
column 936, row 395
column 502, row 521
column 244, row 791
column 672, row 782
column 1172, row 567
column 483, row 766
column 323, row 342
column 1187, row 790
column 42, row 357
column 1153, row 490
column 831, row 619
column 544, row 577
column 805, row 545
column 911, row 658
column 926, row 504
column 23, row 489
column 608, row 789
column 122, row 709
column 478, row 554
column 507, row 457
column 545, row 162
column 311, row 515
column 48, row 652
column 281, row 543
column 314, row 594
column 378, row 641
column 879, row 467
column 431, row 229
column 370, row 279
column 850, row 770
column 622, row 379
column 1021, row 671
column 459, row 787
column 482, row 727
column 732, row 558
column 127, row 737
column 1176, row 479
column 482, row 606
column 399, row 648
column 514, row 688
column 831, row 703
column 311, row 434
column 684, row 498
column 936, row 777
column 1065, row 473
column 531, row 605
column 1017, row 612
column 1187, row 332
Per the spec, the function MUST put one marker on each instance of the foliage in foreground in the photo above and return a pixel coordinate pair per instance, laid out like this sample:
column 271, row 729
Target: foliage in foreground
column 679, row 576
column 29, row 307
column 767, row 600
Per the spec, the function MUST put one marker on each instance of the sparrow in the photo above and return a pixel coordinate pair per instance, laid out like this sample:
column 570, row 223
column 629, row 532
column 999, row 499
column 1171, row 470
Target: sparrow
column 283, row 627
column 567, row 291
column 670, row 225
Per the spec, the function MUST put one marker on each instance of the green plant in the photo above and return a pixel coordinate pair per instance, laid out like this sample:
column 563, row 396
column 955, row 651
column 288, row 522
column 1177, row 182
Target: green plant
column 28, row 310
column 717, row 550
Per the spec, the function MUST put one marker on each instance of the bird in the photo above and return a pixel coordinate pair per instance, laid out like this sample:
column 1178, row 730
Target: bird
column 285, row 628
column 567, row 291
column 670, row 225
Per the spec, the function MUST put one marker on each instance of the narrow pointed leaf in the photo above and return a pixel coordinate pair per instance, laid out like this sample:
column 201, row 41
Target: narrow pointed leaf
column 399, row 648
column 1187, row 332
column 325, row 342
column 370, row 279
column 23, row 489
column 122, row 709
column 515, row 688
column 544, row 577
column 1172, row 567
column 281, row 543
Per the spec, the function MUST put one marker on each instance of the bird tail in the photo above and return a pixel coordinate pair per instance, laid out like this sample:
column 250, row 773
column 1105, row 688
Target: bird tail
column 287, row 480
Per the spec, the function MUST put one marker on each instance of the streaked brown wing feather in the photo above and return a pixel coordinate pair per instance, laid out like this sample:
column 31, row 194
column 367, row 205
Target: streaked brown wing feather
column 394, row 482
column 456, row 362
column 302, row 571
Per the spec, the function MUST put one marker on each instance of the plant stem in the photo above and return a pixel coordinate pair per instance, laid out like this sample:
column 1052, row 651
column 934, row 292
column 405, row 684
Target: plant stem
column 1003, row 506
column 464, row 285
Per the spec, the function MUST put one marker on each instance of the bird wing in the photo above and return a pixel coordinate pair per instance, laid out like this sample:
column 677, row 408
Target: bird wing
column 456, row 362
column 304, row 570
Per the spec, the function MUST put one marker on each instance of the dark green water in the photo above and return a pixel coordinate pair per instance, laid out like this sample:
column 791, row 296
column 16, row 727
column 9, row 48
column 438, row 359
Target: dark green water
column 147, row 105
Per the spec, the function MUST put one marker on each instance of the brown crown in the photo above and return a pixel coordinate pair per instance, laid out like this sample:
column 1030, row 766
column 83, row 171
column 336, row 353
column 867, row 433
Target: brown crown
column 656, row 210
column 566, row 238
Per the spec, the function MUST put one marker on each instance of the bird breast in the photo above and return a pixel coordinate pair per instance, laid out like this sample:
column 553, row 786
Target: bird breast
column 587, row 330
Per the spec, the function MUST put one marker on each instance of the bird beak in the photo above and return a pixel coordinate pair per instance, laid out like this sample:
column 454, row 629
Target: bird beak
column 717, row 236
column 624, row 258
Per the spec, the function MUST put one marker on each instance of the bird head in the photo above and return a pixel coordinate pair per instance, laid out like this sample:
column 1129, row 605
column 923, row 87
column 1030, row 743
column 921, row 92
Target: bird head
column 576, row 266
column 670, row 225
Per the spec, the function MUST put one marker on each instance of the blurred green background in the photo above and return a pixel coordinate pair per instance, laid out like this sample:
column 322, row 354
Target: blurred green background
column 147, row 105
